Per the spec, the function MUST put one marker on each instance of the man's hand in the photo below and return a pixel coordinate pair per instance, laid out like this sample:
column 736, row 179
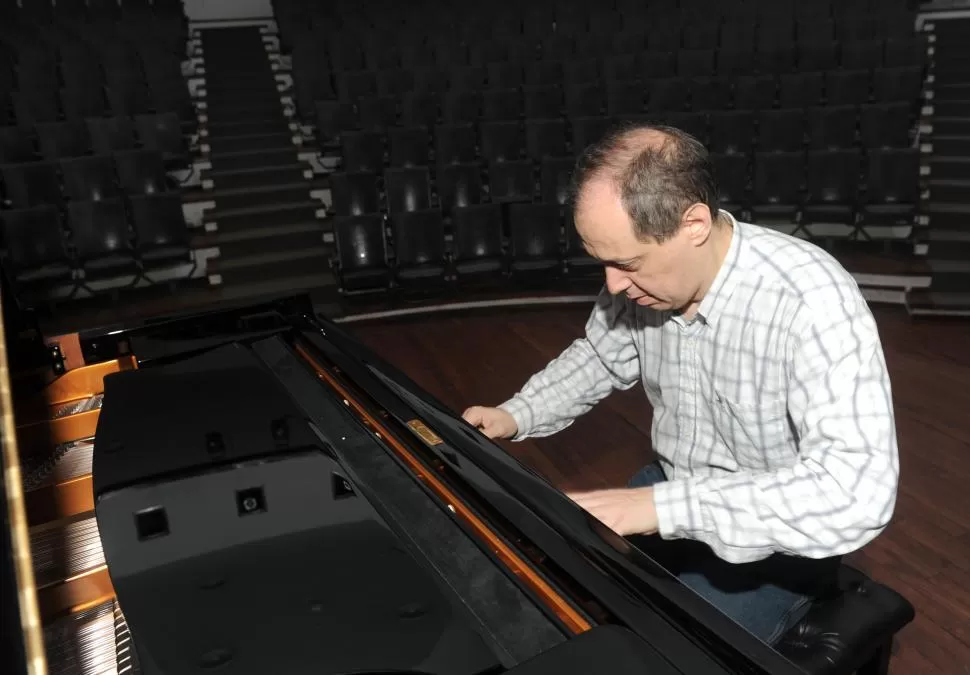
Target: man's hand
column 626, row 511
column 493, row 422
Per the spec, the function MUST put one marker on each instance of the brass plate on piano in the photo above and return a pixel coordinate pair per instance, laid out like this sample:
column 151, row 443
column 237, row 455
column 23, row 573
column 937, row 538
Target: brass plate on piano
column 422, row 430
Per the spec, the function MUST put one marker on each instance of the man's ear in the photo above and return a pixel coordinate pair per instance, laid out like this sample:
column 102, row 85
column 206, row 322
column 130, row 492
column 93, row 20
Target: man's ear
column 697, row 223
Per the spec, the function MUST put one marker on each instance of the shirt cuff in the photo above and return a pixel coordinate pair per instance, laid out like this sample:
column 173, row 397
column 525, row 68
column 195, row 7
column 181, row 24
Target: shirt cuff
column 521, row 413
column 679, row 514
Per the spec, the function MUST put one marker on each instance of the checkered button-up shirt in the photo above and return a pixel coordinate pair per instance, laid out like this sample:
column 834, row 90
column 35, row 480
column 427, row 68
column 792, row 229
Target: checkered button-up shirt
column 773, row 414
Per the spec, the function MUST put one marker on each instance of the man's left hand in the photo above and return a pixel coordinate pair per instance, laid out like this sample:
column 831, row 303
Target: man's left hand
column 626, row 511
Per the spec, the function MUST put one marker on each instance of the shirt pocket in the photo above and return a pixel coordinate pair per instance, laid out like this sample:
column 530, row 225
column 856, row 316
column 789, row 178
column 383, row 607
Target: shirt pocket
column 757, row 433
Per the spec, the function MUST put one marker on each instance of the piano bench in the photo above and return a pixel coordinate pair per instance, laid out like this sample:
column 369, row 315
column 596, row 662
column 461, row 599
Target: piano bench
column 850, row 631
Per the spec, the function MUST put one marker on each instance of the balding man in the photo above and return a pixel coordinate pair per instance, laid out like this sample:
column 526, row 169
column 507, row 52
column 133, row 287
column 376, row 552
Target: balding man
column 772, row 413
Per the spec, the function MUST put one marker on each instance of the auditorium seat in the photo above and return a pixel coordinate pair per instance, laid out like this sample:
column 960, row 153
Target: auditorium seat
column 832, row 186
column 455, row 144
column 477, row 249
column 535, row 239
column 361, row 258
column 111, row 134
column 377, row 113
column 502, row 104
column 409, row 146
column 459, row 185
column 90, row 178
column 885, row 125
column 334, row 118
column 778, row 181
column 511, row 181
column 16, row 146
column 892, row 186
column 35, row 249
column 577, row 259
column 82, row 102
column 32, row 184
column 408, row 190
column 141, row 172
column 354, row 193
column 555, row 179
column 832, row 127
column 731, row 171
column 501, row 141
column 60, row 140
column 362, row 151
column 419, row 248
column 161, row 236
column 162, row 133
column 731, row 132
column 100, row 235
column 35, row 106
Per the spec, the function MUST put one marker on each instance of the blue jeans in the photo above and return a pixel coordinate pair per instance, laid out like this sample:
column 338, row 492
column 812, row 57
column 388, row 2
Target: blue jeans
column 766, row 597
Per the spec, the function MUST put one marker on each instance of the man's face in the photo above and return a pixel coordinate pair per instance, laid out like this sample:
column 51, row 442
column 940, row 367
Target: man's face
column 661, row 276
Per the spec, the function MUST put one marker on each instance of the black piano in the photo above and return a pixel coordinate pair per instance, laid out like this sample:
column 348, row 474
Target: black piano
column 249, row 490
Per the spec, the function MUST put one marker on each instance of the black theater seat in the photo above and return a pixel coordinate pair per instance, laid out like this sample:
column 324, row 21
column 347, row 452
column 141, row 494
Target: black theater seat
column 90, row 178
column 354, row 193
column 419, row 248
column 100, row 234
column 892, row 186
column 31, row 184
column 161, row 236
column 16, row 146
column 849, row 631
column 35, row 251
column 535, row 234
column 163, row 134
column 141, row 172
column 111, row 134
column 832, row 181
column 361, row 261
column 477, row 246
column 60, row 140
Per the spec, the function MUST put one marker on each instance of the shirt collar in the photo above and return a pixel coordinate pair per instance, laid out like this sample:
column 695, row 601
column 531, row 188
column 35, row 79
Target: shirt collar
column 727, row 276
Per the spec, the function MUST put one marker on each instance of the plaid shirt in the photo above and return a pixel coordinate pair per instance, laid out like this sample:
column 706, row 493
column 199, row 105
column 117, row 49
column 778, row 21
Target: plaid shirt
column 773, row 414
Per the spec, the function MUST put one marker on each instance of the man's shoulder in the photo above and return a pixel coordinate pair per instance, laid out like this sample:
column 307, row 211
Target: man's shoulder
column 800, row 269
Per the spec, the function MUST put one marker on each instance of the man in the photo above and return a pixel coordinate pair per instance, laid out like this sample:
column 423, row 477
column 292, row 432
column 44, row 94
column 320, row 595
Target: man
column 773, row 417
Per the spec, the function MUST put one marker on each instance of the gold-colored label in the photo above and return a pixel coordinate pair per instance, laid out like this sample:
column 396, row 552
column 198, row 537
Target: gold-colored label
column 422, row 430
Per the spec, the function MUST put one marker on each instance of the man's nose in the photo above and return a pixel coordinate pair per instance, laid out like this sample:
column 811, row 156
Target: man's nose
column 616, row 281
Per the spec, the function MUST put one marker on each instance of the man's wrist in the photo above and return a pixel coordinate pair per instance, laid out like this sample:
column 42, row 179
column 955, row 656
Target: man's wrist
column 678, row 510
column 520, row 412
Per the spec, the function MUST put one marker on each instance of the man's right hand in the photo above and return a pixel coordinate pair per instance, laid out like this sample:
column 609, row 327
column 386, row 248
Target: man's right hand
column 493, row 422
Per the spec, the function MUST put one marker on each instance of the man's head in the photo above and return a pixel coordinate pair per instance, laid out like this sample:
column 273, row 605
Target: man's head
column 646, row 205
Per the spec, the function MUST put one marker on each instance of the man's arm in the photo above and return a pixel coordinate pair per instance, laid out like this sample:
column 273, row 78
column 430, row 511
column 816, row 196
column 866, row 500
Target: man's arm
column 583, row 374
column 842, row 491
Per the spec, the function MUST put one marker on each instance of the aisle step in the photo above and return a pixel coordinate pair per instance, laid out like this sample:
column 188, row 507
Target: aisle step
column 252, row 142
column 253, row 196
column 290, row 172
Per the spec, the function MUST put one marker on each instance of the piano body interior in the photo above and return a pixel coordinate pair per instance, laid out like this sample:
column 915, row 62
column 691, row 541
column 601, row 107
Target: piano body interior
column 450, row 557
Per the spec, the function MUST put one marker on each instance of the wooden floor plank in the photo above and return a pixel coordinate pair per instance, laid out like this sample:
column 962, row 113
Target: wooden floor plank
column 485, row 357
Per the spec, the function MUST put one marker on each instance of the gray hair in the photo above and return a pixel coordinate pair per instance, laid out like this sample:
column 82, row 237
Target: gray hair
column 657, row 182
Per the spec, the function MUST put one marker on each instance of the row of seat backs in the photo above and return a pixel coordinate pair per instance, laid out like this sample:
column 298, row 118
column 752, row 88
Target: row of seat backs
column 149, row 227
column 53, row 141
column 132, row 172
column 655, row 18
column 36, row 106
column 906, row 49
column 839, row 127
column 846, row 177
column 479, row 232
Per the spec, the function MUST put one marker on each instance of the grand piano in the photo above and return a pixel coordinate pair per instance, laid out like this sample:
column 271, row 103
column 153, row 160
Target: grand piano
column 249, row 490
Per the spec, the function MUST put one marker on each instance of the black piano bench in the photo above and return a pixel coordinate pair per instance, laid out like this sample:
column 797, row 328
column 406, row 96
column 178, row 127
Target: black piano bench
column 850, row 631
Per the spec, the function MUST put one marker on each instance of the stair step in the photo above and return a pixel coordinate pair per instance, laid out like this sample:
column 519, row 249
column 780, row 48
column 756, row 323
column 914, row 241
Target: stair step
column 299, row 250
column 251, row 142
column 951, row 92
column 950, row 168
column 951, row 109
column 291, row 172
column 255, row 240
column 246, row 237
column 315, row 265
column 262, row 89
column 248, row 127
column 951, row 145
column 264, row 215
column 241, row 115
column 248, row 197
column 233, row 161
column 951, row 126
column 949, row 191
column 267, row 97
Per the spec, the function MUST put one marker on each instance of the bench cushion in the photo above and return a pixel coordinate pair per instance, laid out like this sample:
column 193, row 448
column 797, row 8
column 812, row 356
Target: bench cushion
column 843, row 631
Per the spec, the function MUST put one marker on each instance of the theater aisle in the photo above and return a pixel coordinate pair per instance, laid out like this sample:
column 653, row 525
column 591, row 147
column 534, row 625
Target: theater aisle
column 265, row 220
column 949, row 179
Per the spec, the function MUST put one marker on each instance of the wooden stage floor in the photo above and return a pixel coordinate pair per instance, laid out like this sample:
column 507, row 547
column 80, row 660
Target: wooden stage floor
column 466, row 359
